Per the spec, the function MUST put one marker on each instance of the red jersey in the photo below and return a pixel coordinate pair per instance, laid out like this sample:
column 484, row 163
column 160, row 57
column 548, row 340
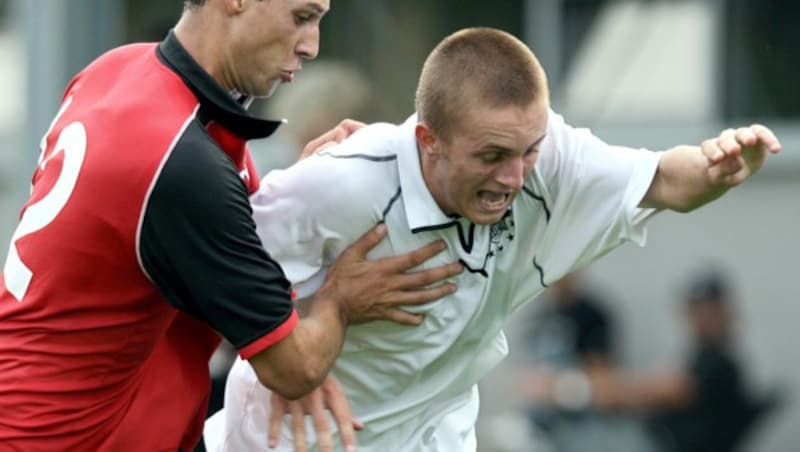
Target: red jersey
column 135, row 246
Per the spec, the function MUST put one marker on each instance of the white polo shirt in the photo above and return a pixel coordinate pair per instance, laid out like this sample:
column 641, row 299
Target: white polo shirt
column 415, row 387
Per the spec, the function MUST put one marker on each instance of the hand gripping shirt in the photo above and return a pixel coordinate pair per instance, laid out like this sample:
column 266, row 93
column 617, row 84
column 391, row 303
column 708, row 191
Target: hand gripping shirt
column 136, row 244
column 415, row 387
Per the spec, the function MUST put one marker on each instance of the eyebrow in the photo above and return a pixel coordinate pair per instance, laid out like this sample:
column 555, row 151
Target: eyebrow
column 495, row 148
column 317, row 8
column 537, row 142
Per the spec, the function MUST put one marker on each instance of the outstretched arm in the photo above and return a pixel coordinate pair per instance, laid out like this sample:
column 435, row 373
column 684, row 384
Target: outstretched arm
column 691, row 176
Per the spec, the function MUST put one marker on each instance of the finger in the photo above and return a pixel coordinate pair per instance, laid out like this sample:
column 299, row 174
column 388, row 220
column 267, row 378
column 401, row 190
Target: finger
column 351, row 125
column 422, row 279
column 412, row 259
column 361, row 247
column 321, row 425
column 342, row 414
column 745, row 136
column 397, row 315
column 339, row 134
column 298, row 427
column 727, row 142
column 314, row 144
column 712, row 151
column 336, row 135
column 277, row 411
column 766, row 136
column 420, row 296
column 326, row 139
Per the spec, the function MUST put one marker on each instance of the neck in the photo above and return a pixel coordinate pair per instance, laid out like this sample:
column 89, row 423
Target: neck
column 199, row 32
column 426, row 166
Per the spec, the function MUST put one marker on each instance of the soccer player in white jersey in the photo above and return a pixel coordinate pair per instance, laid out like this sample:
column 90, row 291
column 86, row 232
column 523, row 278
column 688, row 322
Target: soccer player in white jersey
column 520, row 197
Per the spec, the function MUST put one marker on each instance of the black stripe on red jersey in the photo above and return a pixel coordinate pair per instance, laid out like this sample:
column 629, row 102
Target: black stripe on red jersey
column 199, row 246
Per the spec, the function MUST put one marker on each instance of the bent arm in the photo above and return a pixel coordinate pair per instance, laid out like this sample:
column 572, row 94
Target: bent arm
column 297, row 364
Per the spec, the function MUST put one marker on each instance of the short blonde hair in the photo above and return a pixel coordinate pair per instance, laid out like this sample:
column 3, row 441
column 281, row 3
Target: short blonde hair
column 476, row 65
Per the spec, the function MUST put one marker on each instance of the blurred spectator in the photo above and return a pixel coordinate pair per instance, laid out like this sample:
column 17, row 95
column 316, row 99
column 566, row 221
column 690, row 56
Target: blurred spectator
column 708, row 407
column 703, row 405
column 572, row 344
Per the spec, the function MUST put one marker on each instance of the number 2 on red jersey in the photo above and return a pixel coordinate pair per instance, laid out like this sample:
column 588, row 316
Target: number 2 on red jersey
column 72, row 143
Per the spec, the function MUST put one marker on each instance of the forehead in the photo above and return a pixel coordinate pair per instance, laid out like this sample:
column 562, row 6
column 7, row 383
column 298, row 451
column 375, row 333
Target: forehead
column 513, row 127
column 320, row 6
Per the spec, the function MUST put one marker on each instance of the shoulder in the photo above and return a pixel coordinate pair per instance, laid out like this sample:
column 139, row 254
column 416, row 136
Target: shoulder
column 197, row 173
column 360, row 168
column 561, row 146
column 368, row 147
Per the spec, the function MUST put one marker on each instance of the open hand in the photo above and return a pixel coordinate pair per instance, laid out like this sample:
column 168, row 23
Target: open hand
column 328, row 397
column 367, row 290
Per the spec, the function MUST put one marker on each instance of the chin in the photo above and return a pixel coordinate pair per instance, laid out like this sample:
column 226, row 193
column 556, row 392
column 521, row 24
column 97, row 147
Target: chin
column 263, row 90
column 273, row 86
column 485, row 218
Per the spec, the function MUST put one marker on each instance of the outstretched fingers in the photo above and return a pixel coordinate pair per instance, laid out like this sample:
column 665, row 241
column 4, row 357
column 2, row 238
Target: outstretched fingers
column 278, row 408
column 359, row 249
column 767, row 137
column 298, row 427
column 342, row 413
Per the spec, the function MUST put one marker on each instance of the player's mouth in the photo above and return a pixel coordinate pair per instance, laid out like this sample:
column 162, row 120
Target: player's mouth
column 287, row 76
column 496, row 202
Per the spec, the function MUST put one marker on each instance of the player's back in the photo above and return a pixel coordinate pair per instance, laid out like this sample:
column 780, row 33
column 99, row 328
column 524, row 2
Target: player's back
column 79, row 318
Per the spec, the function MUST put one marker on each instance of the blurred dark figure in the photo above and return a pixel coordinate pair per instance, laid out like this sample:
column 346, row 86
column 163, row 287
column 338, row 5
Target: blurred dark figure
column 571, row 337
column 710, row 408
column 571, row 345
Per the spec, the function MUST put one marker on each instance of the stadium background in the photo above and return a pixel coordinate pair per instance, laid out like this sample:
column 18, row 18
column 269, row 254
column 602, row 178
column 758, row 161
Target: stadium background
column 641, row 73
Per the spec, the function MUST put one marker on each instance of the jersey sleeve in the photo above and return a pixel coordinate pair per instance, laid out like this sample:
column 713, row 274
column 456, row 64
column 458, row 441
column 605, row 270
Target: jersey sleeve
column 596, row 189
column 198, row 245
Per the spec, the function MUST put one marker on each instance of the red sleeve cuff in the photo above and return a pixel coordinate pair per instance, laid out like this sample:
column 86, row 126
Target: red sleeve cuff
column 271, row 338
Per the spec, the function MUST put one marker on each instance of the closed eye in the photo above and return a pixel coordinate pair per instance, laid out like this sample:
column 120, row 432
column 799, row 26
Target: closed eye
column 492, row 157
column 302, row 19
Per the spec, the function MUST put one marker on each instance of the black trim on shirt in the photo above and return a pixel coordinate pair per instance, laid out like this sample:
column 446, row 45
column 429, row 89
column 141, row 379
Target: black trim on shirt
column 532, row 194
column 541, row 272
column 481, row 271
column 372, row 158
column 391, row 203
column 199, row 245
column 467, row 242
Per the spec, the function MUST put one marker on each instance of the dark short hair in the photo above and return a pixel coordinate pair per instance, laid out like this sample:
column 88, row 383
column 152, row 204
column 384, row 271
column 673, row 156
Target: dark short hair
column 707, row 287
column 193, row 3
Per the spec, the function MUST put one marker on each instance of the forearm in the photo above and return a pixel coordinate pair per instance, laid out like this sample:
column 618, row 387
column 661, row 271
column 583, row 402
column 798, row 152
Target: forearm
column 625, row 391
column 299, row 363
column 682, row 181
column 690, row 176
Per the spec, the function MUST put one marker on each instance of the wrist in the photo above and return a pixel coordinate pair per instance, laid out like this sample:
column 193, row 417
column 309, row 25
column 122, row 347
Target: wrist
column 324, row 305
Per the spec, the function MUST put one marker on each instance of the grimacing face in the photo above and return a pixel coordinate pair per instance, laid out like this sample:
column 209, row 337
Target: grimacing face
column 269, row 40
column 479, row 171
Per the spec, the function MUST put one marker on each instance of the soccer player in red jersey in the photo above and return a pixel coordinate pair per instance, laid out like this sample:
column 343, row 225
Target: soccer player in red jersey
column 137, row 249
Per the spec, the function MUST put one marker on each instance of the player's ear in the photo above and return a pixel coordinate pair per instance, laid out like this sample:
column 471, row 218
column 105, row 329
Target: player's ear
column 426, row 139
